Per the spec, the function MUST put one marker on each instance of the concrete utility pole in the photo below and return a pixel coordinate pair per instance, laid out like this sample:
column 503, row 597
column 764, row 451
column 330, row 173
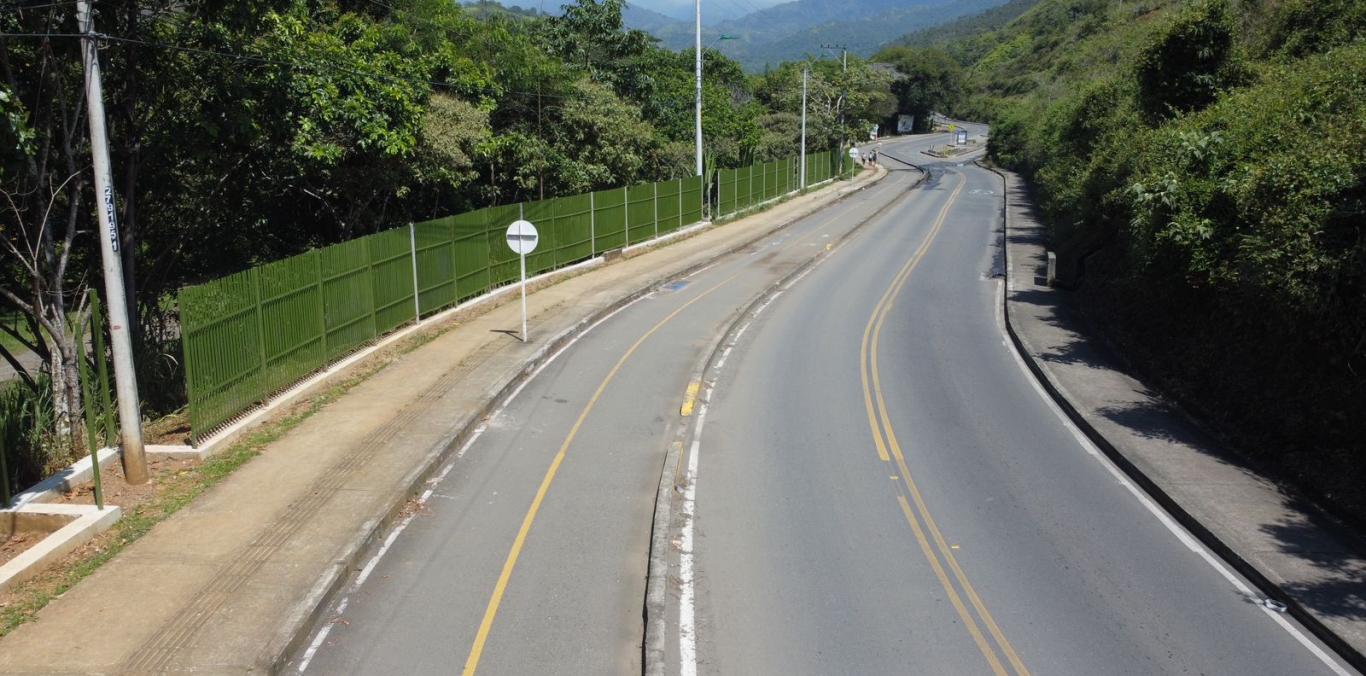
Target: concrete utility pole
column 697, row 49
column 125, row 379
column 802, row 182
column 844, row 95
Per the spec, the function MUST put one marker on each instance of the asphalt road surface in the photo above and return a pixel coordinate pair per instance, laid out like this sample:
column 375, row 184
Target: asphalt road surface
column 879, row 488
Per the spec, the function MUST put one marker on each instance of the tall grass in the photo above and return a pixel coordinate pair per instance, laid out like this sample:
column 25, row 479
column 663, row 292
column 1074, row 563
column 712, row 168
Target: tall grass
column 25, row 431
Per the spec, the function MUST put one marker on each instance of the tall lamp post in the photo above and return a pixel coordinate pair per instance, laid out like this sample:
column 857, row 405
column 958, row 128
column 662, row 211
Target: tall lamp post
column 697, row 101
column 844, row 95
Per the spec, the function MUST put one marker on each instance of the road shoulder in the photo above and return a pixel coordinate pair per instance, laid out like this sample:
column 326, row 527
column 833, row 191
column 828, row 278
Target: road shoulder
column 1291, row 550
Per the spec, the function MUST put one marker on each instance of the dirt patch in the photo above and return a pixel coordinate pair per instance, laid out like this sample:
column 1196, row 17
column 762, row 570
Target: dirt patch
column 171, row 430
column 117, row 490
column 16, row 544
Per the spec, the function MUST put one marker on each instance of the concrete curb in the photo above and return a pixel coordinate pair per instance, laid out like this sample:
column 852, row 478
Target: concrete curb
column 1244, row 566
column 662, row 530
column 307, row 614
column 76, row 474
column 82, row 522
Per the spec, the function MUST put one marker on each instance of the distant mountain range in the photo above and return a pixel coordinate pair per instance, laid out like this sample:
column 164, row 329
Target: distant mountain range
column 792, row 30
column 773, row 33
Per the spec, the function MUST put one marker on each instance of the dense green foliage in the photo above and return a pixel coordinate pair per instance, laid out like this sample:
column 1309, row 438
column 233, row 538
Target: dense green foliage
column 966, row 38
column 928, row 81
column 1202, row 166
column 247, row 131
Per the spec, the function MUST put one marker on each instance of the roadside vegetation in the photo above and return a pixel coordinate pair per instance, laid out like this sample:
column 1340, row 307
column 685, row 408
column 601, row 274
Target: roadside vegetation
column 1202, row 167
column 244, row 132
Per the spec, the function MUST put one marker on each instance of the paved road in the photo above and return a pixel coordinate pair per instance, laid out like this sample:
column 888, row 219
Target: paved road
column 478, row 579
column 813, row 554
column 906, row 501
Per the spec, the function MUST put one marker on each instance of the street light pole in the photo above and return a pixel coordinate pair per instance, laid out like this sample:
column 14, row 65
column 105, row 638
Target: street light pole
column 805, row 74
column 844, row 96
column 125, row 379
column 697, row 103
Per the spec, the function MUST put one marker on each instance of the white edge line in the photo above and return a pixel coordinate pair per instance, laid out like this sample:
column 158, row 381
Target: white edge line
column 1175, row 528
column 687, row 616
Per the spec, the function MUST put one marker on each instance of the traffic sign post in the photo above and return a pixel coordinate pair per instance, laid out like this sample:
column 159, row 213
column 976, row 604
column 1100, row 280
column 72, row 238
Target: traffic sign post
column 522, row 238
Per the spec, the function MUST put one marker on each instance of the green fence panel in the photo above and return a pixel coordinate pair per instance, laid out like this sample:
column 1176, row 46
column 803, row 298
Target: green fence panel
column 503, row 266
column 541, row 213
column 751, row 184
column 292, row 339
column 742, row 194
column 609, row 220
column 691, row 200
column 220, row 335
column 436, row 273
column 469, row 239
column 666, row 201
column 725, row 192
column 573, row 229
column 640, row 212
column 348, row 300
column 248, row 335
column 391, row 279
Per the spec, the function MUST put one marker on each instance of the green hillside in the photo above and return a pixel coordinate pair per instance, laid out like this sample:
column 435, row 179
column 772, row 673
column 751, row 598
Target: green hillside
column 1202, row 166
column 966, row 38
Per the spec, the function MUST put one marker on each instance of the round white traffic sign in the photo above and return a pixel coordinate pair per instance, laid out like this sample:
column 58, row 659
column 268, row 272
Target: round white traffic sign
column 522, row 237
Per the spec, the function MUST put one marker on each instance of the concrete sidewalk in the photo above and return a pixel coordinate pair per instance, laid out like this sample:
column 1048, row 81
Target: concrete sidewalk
column 228, row 584
column 1291, row 550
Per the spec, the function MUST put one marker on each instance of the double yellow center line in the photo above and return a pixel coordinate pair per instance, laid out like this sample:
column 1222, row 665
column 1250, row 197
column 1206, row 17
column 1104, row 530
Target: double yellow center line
column 936, row 550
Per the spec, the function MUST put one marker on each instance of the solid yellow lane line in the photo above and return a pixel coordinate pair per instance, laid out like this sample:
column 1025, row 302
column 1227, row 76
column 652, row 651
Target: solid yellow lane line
column 876, row 321
column 957, row 602
column 491, row 611
column 690, row 398
column 870, row 334
column 892, row 442
column 868, row 330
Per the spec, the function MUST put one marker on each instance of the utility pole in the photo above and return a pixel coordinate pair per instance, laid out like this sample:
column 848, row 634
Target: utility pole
column 844, row 95
column 697, row 49
column 125, row 380
column 802, row 181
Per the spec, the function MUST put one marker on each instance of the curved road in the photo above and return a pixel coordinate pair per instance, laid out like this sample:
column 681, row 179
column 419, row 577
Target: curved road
column 879, row 488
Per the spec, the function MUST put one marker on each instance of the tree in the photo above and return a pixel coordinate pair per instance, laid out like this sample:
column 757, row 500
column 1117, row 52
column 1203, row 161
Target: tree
column 44, row 215
column 927, row 81
column 1186, row 66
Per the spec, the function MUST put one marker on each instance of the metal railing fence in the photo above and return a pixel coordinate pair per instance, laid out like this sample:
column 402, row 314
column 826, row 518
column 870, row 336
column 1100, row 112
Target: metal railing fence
column 251, row 334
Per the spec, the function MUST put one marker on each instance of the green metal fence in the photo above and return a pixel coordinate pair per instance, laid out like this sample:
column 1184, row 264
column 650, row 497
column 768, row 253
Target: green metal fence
column 745, row 187
column 249, row 335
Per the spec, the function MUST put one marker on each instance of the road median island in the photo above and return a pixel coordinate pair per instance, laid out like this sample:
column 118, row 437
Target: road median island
column 1294, row 553
column 232, row 581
